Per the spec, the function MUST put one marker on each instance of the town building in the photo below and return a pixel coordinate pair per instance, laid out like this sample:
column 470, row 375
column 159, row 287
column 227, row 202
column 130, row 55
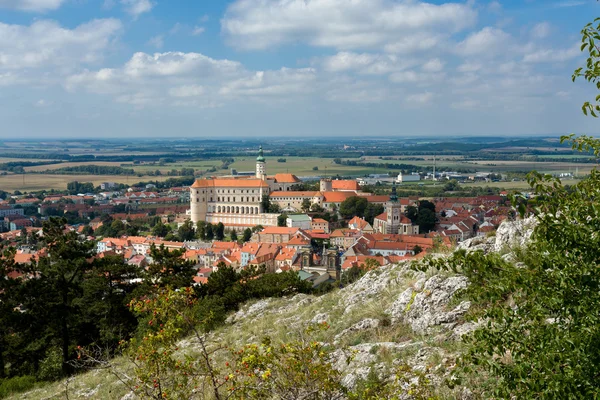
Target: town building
column 392, row 221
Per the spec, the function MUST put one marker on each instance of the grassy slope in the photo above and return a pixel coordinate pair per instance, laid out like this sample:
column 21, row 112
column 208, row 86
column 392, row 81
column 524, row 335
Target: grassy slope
column 281, row 319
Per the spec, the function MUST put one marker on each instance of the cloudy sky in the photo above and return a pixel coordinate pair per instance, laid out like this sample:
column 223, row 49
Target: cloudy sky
column 291, row 68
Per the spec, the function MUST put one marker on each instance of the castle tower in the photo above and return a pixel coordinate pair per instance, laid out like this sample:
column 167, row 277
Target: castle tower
column 393, row 211
column 198, row 201
column 325, row 185
column 261, row 171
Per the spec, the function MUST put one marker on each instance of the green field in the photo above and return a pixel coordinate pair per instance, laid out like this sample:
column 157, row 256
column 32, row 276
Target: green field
column 31, row 182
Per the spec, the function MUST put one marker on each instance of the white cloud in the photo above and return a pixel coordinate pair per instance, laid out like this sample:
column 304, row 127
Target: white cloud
column 414, row 77
column 434, row 65
column 414, row 43
column 31, row 5
column 568, row 3
column 45, row 43
column 157, row 41
column 467, row 104
column 198, row 30
column 495, row 7
column 152, row 79
column 552, row 55
column 261, row 24
column 541, row 30
column 488, row 41
column 137, row 7
column 187, row 91
column 365, row 63
column 420, row 98
column 271, row 83
column 346, row 90
column 469, row 67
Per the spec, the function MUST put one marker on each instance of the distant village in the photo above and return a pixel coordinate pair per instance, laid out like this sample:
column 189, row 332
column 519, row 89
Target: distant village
column 295, row 237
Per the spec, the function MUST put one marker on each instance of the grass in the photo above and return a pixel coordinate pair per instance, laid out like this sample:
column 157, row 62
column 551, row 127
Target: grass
column 51, row 167
column 282, row 320
column 31, row 182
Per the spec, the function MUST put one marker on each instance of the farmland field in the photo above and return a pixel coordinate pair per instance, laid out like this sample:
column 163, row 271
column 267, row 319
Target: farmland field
column 59, row 182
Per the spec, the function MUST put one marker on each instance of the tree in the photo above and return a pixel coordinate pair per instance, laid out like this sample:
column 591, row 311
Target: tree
column 160, row 229
column 186, row 231
column 426, row 220
column 168, row 268
column 417, row 249
column 257, row 228
column 590, row 35
column 372, row 211
column 59, row 287
column 210, row 235
column 305, row 205
column 201, row 230
column 220, row 231
column 540, row 339
column 282, row 220
column 8, row 303
column 265, row 203
column 233, row 235
column 354, row 206
column 247, row 235
column 107, row 291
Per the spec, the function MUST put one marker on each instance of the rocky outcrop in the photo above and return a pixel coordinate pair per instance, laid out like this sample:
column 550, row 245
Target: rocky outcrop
column 425, row 309
column 509, row 234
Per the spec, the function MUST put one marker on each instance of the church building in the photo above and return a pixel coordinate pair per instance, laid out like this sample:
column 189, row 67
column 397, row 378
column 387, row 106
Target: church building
column 392, row 220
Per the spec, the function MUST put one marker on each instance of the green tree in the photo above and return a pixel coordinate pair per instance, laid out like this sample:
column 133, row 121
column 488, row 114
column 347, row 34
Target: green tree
column 372, row 211
column 233, row 235
column 220, row 231
column 160, row 229
column 107, row 291
column 247, row 235
column 590, row 36
column 210, row 232
column 186, row 231
column 542, row 322
column 201, row 230
column 305, row 205
column 426, row 220
column 282, row 220
column 354, row 206
column 58, row 288
column 8, row 303
column 168, row 268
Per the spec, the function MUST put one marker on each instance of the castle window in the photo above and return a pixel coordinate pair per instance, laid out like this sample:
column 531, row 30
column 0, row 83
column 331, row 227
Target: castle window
column 197, row 200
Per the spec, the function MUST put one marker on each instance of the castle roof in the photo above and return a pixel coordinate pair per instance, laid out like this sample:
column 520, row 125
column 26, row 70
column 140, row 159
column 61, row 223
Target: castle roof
column 345, row 185
column 229, row 182
column 286, row 178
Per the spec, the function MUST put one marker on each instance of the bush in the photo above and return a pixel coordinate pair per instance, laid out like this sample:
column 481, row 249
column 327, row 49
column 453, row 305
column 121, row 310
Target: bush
column 51, row 366
column 16, row 385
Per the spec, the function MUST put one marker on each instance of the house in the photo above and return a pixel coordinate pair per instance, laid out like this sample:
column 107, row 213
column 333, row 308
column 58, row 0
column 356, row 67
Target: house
column 319, row 224
column 277, row 234
column 359, row 224
column 301, row 221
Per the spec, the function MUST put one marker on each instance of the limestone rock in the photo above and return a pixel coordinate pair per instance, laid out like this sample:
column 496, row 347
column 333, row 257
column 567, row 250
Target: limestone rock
column 428, row 308
column 365, row 324
column 515, row 233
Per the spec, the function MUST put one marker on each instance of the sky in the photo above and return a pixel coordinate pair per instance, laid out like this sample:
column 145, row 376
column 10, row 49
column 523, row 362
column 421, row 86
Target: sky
column 292, row 68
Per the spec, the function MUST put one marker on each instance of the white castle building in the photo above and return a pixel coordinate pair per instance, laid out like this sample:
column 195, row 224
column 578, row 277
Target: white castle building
column 237, row 201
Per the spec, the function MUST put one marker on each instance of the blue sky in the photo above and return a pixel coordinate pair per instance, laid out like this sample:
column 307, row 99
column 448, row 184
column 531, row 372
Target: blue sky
column 291, row 68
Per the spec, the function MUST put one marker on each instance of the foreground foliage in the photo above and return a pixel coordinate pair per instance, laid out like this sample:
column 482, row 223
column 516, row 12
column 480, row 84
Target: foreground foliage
column 540, row 330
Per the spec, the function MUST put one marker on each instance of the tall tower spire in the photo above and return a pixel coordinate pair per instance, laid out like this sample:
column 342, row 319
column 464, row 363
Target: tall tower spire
column 394, row 195
column 261, row 172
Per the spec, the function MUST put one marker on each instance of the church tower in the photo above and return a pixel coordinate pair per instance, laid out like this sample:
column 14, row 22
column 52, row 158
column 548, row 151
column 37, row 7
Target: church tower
column 261, row 172
column 393, row 211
